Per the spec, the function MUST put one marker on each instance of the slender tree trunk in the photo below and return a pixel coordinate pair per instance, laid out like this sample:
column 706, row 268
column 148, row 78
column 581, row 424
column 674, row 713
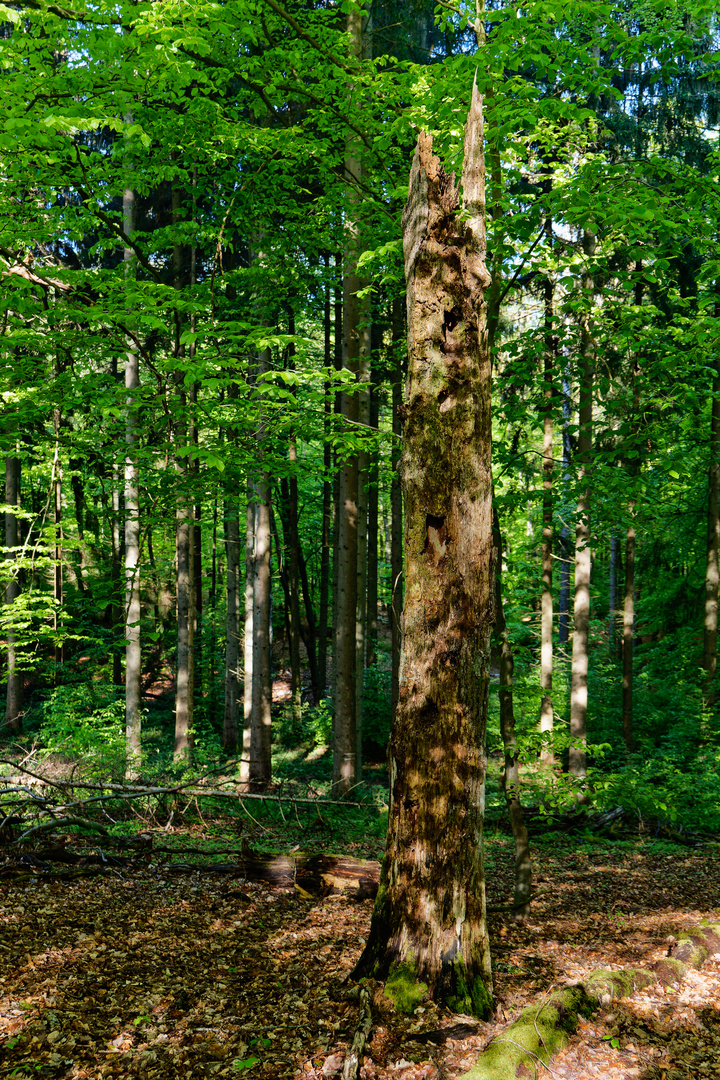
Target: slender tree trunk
column 712, row 567
column 327, row 498
column 363, row 460
column 232, row 638
column 311, row 637
column 116, row 610
column 58, row 552
column 289, row 489
column 396, row 539
column 583, row 552
column 212, row 604
column 289, row 516
column 14, row 700
column 546, row 612
column 184, row 535
column 260, row 726
column 612, row 592
column 372, row 526
column 429, row 921
column 345, row 697
column 564, row 593
column 511, row 772
column 133, row 670
column 248, row 633
column 628, row 637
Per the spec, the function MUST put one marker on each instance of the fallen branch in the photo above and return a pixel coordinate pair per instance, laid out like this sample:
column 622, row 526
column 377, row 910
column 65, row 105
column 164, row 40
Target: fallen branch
column 351, row 1067
column 61, row 823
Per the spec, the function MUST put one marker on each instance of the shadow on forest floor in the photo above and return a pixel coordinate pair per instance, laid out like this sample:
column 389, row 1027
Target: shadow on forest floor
column 145, row 973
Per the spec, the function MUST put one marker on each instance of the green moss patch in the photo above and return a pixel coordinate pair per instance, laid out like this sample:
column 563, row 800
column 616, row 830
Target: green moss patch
column 404, row 989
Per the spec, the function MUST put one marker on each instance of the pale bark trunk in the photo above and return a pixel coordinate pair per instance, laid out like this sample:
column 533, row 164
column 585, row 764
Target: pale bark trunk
column 372, row 536
column 260, row 726
column 133, row 720
column 259, row 770
column 58, row 552
column 564, row 593
column 628, row 638
column 712, row 567
column 248, row 634
column 116, row 611
column 546, row 612
column 185, row 551
column 14, row 699
column 396, row 538
column 511, row 773
column 232, row 640
column 429, row 918
column 583, row 552
column 184, row 538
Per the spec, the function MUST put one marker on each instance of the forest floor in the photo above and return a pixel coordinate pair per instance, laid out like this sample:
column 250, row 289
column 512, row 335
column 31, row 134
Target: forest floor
column 155, row 974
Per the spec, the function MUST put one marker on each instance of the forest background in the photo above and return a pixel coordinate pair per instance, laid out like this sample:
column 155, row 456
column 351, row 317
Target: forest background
column 202, row 363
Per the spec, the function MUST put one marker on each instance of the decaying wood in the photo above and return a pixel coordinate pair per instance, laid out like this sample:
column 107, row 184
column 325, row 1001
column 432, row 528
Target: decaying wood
column 430, row 916
column 530, row 1041
column 351, row 1065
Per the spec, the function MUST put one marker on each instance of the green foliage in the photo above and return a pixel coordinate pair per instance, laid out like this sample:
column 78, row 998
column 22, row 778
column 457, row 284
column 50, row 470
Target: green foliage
column 377, row 711
column 86, row 720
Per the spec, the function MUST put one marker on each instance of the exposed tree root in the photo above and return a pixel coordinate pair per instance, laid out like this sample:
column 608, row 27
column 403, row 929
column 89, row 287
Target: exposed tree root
column 525, row 1048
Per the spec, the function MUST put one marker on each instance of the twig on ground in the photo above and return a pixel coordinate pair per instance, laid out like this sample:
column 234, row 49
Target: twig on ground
column 351, row 1067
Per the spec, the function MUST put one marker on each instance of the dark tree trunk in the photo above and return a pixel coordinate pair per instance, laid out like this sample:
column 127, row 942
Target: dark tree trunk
column 428, row 925
column 14, row 700
column 232, row 636
column 511, row 772
column 327, row 501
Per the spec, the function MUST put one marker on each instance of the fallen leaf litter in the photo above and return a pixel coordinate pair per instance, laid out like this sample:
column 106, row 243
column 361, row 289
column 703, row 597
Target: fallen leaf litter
column 154, row 976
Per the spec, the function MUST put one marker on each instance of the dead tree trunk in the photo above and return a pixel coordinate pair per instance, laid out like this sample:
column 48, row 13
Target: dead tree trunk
column 429, row 928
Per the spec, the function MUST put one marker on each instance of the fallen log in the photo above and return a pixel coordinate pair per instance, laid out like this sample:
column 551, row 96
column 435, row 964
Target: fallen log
column 525, row 1048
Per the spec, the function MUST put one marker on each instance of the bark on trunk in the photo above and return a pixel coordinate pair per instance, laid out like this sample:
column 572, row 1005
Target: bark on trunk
column 546, row 613
column 628, row 638
column 396, row 549
column 583, row 553
column 327, row 497
column 564, row 592
column 14, row 702
column 260, row 725
column 712, row 568
column 259, row 770
column 248, row 633
column 232, row 638
column 372, row 520
column 511, row 772
column 184, row 535
column 612, row 597
column 133, row 721
column 289, row 489
column 428, row 933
